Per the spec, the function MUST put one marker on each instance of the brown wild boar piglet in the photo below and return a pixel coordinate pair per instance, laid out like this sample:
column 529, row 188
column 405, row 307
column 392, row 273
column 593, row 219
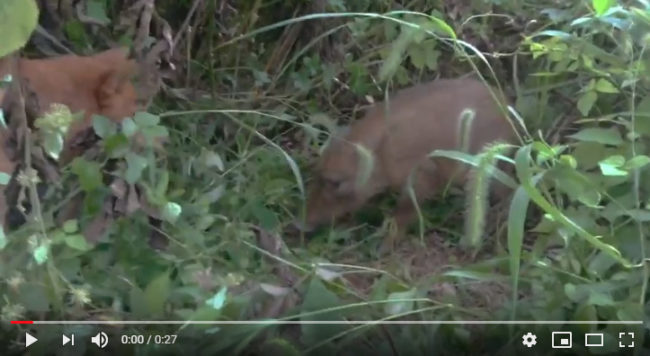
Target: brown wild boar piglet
column 96, row 84
column 400, row 135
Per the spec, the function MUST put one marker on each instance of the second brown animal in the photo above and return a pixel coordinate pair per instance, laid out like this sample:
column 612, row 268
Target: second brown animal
column 399, row 135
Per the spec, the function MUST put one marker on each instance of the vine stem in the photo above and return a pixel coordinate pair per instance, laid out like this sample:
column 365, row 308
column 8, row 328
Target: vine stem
column 637, row 199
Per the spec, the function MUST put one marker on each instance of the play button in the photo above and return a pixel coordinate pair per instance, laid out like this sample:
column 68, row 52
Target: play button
column 29, row 340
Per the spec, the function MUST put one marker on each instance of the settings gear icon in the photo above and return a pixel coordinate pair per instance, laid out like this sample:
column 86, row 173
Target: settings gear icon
column 529, row 339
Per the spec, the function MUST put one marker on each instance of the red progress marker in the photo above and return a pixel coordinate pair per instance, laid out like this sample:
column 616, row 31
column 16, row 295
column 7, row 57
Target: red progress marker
column 22, row 322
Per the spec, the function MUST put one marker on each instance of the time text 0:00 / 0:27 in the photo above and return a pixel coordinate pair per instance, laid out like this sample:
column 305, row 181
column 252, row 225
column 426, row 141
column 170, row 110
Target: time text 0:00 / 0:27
column 148, row 339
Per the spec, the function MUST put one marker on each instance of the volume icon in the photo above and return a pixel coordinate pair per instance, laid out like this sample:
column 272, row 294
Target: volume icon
column 101, row 339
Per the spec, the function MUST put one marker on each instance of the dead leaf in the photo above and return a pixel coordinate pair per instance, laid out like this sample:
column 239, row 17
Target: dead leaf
column 119, row 188
column 267, row 241
column 97, row 227
column 71, row 210
column 149, row 209
column 205, row 279
column 275, row 291
column 133, row 203
column 157, row 239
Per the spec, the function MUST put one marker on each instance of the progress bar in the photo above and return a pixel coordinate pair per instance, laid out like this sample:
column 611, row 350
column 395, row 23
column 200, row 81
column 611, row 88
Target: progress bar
column 327, row 322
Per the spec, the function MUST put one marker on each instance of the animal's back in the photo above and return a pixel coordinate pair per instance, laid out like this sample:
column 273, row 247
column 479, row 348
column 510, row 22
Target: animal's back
column 74, row 80
column 426, row 117
column 416, row 121
column 97, row 84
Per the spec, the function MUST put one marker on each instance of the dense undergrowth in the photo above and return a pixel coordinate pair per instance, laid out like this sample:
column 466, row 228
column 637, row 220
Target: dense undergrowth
column 258, row 86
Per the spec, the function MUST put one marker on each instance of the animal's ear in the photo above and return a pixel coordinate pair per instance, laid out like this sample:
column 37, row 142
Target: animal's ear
column 119, row 70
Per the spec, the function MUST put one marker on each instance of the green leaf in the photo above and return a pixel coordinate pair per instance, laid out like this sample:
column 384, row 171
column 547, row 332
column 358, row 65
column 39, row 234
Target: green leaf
column 71, row 226
column 171, row 211
column 522, row 163
column 417, row 56
column 601, row 6
column 431, row 54
column 600, row 299
column 589, row 153
column 18, row 18
column 442, row 26
column 89, row 173
column 103, row 126
column 202, row 313
column 568, row 161
column 145, row 119
column 402, row 302
column 586, row 102
column 163, row 184
column 610, row 136
column 394, row 59
column 96, row 10
column 590, row 197
column 545, row 152
column 279, row 346
column 605, row 86
column 77, row 242
column 586, row 312
column 266, row 217
column 138, row 303
column 116, row 145
column 637, row 162
column 57, row 236
column 637, row 214
column 135, row 166
column 3, row 238
column 52, row 143
column 76, row 33
column 129, row 128
column 316, row 299
column 212, row 159
column 630, row 311
column 473, row 161
column 153, row 132
column 34, row 297
column 156, row 294
column 41, row 252
column 219, row 299
column 516, row 220
column 610, row 166
column 3, row 121
column 4, row 178
column 643, row 116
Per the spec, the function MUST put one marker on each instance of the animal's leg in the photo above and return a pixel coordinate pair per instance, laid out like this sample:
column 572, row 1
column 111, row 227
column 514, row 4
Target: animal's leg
column 424, row 184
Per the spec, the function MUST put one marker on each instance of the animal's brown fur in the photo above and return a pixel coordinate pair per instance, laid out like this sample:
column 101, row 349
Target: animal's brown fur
column 400, row 135
column 97, row 84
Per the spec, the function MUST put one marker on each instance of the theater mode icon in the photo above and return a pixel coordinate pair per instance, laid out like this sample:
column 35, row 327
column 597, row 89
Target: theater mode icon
column 594, row 339
column 562, row 340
